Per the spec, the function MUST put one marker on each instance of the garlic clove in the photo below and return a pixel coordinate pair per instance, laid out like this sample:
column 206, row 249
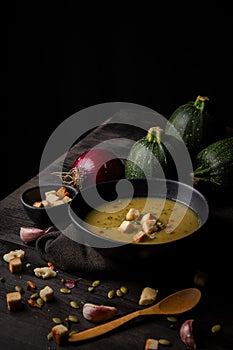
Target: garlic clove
column 187, row 333
column 98, row 313
column 29, row 234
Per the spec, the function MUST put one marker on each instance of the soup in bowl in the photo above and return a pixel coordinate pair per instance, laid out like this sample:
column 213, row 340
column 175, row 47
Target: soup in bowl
column 138, row 215
column 151, row 220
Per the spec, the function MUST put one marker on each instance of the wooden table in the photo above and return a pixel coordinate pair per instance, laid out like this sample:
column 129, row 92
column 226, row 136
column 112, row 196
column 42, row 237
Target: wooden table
column 28, row 329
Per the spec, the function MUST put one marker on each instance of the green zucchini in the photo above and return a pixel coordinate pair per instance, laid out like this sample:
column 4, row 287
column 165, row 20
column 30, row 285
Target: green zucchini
column 149, row 157
column 195, row 125
column 215, row 166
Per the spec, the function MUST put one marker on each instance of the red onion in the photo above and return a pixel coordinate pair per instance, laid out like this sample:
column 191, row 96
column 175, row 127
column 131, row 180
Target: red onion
column 92, row 167
column 187, row 334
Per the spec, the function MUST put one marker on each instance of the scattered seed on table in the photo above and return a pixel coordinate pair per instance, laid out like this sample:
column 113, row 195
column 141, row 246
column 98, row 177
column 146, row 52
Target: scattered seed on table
column 119, row 293
column 19, row 289
column 95, row 283
column 163, row 341
column 50, row 336
column 72, row 318
column 172, row 319
column 40, row 301
column 74, row 304
column 34, row 296
column 73, row 332
column 124, row 289
column 65, row 290
column 56, row 320
column 216, row 328
column 90, row 289
column 111, row 294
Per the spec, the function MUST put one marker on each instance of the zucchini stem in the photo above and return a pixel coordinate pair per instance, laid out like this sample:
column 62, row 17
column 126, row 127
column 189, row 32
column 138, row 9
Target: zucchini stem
column 200, row 102
column 154, row 133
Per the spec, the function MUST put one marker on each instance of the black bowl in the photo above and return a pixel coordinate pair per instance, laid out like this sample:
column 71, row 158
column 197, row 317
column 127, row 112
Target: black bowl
column 91, row 197
column 44, row 217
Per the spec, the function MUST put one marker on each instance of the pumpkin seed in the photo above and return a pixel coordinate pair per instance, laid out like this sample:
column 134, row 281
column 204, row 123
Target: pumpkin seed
column 34, row 296
column 96, row 283
column 73, row 332
column 172, row 319
column 40, row 301
column 56, row 320
column 163, row 341
column 90, row 289
column 72, row 318
column 74, row 304
column 50, row 336
column 216, row 328
column 65, row 290
column 119, row 293
column 124, row 289
column 19, row 289
column 111, row 294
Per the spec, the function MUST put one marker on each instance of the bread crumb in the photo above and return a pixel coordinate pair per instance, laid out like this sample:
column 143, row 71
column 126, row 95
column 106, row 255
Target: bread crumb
column 148, row 296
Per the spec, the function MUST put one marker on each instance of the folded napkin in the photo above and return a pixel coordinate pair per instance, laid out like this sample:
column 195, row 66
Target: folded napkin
column 73, row 257
column 78, row 259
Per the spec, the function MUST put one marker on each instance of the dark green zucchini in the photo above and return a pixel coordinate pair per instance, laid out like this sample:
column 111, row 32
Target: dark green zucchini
column 215, row 166
column 195, row 125
column 149, row 157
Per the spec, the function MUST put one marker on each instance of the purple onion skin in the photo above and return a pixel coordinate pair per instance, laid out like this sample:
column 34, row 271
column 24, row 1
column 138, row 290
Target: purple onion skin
column 187, row 333
column 96, row 166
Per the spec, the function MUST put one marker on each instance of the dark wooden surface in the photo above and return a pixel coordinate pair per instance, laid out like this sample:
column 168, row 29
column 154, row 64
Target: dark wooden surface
column 28, row 329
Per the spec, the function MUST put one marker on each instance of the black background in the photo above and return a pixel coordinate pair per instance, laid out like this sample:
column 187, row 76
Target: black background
column 62, row 57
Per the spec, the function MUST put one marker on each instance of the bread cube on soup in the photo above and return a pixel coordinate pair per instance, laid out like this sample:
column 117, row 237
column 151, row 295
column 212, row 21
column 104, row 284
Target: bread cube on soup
column 132, row 214
column 126, row 227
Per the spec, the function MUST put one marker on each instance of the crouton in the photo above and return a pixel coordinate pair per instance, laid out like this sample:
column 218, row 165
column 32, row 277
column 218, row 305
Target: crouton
column 44, row 272
column 13, row 254
column 46, row 293
column 14, row 301
column 151, row 344
column 148, row 296
column 62, row 192
column 148, row 216
column 60, row 334
column 132, row 214
column 149, row 226
column 66, row 199
column 51, row 198
column 126, row 227
column 15, row 265
column 38, row 204
column 140, row 237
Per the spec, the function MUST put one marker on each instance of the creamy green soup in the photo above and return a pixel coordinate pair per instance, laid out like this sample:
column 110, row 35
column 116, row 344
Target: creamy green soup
column 175, row 219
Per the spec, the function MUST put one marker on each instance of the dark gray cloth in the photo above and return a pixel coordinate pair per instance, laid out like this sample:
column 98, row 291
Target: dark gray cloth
column 73, row 257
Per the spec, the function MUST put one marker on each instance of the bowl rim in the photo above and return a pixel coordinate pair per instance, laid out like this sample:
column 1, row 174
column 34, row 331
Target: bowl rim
column 145, row 244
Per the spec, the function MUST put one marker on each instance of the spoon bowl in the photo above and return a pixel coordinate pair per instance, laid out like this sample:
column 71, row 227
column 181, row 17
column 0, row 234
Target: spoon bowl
column 174, row 304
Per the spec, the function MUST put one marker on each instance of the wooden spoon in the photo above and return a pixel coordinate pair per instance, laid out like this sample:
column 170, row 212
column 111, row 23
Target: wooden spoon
column 175, row 303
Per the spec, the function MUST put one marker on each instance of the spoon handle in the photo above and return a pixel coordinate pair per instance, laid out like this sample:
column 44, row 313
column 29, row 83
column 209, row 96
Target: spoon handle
column 107, row 327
